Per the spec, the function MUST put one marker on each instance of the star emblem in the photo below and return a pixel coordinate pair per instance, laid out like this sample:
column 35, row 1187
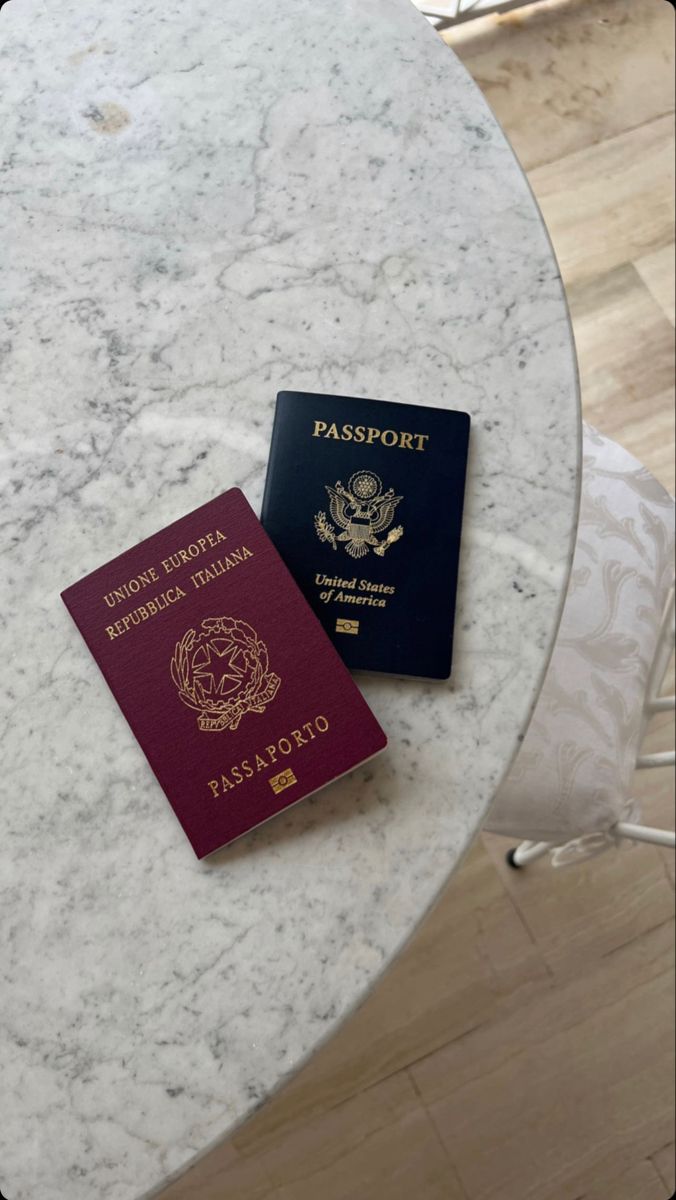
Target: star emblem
column 216, row 668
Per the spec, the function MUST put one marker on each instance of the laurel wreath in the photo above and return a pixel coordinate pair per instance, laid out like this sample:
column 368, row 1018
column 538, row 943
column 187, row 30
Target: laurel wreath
column 325, row 531
column 256, row 658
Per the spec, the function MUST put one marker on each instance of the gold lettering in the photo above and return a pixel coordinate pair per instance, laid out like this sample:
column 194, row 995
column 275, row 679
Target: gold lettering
column 131, row 587
column 144, row 611
column 183, row 556
column 370, row 434
column 220, row 565
column 235, row 775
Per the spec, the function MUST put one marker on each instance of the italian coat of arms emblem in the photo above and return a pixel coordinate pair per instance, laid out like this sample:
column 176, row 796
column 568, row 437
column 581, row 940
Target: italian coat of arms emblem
column 222, row 672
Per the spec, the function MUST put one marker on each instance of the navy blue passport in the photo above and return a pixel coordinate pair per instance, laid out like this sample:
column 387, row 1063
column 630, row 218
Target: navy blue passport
column 363, row 500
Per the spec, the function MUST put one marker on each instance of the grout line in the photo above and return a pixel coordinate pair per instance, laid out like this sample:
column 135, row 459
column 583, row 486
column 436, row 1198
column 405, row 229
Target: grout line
column 655, row 1167
column 637, row 937
column 549, row 162
column 530, row 934
column 444, row 1149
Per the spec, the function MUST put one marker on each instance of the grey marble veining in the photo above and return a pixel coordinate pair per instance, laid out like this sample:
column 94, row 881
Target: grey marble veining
column 202, row 203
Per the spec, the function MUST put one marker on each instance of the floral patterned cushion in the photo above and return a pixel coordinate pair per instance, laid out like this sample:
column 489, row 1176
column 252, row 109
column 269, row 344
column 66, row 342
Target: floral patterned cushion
column 573, row 774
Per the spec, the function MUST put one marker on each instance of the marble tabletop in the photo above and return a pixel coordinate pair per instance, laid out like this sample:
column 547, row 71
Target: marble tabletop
column 202, row 204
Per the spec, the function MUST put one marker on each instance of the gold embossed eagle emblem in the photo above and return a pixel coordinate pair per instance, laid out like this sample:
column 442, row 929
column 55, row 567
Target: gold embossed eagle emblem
column 222, row 671
column 361, row 511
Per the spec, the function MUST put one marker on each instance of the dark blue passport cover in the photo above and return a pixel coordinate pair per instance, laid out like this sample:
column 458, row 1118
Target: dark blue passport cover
column 363, row 500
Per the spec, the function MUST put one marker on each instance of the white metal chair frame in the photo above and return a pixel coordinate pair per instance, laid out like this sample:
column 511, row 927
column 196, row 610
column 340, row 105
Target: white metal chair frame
column 527, row 852
column 455, row 12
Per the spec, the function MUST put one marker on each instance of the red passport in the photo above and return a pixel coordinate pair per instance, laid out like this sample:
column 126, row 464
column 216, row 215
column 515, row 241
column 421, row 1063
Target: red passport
column 226, row 677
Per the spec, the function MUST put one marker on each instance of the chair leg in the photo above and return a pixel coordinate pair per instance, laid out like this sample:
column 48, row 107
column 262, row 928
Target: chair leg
column 525, row 853
column 654, row 702
column 645, row 833
column 664, row 758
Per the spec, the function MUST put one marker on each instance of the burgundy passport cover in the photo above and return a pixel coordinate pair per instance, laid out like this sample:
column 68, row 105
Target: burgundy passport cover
column 226, row 677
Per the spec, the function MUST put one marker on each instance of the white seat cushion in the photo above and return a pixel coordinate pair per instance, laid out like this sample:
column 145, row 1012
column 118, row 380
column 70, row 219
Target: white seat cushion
column 573, row 773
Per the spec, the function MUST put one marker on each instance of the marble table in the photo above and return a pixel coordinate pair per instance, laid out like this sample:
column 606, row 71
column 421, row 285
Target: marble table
column 202, row 204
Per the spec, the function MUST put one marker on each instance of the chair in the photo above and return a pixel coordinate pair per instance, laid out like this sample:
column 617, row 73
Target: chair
column 569, row 789
column 455, row 12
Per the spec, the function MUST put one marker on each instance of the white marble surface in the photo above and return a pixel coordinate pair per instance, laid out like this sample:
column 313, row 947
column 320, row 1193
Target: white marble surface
column 201, row 204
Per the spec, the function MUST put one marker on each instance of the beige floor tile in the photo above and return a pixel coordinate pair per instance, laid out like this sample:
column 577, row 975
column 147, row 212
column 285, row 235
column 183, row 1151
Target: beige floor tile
column 565, row 1085
column 315, row 1143
column 490, row 1047
column 379, row 1144
column 625, row 348
column 657, row 272
column 610, row 203
column 664, row 1163
column 471, row 956
column 620, row 329
column 221, row 1175
column 563, row 75
column 640, row 1181
column 579, row 915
